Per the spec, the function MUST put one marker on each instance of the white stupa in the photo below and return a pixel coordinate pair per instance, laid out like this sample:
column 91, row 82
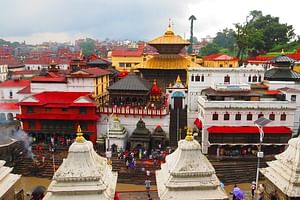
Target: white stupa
column 7, row 181
column 187, row 174
column 118, row 134
column 284, row 171
column 83, row 175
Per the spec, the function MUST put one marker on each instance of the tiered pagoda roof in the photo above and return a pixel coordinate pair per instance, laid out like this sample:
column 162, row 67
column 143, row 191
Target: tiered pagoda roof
column 188, row 173
column 83, row 175
column 284, row 172
column 131, row 82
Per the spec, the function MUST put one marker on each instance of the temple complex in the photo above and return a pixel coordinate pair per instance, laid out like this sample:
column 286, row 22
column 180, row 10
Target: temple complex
column 7, row 182
column 188, row 173
column 282, row 175
column 170, row 62
column 83, row 175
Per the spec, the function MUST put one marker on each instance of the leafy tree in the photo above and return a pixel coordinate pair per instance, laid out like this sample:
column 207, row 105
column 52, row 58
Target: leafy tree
column 211, row 48
column 225, row 39
column 261, row 33
column 88, row 46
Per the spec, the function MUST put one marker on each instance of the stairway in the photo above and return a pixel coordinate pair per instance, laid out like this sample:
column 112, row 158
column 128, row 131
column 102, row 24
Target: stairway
column 237, row 170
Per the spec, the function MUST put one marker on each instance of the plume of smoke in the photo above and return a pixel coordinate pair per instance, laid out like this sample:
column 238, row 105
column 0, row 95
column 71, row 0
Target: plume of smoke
column 11, row 132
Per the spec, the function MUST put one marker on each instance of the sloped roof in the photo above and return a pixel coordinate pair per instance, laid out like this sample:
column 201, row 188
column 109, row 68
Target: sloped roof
column 90, row 72
column 15, row 83
column 131, row 82
column 289, row 90
column 168, row 61
column 282, row 58
column 220, row 57
column 127, row 52
column 63, row 98
column 282, row 74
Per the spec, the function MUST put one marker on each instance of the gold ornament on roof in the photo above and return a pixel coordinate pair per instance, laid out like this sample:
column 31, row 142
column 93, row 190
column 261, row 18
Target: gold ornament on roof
column 169, row 29
column 189, row 135
column 116, row 118
column 178, row 80
column 79, row 134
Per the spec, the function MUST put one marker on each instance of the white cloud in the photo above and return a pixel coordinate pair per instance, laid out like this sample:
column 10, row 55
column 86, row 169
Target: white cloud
column 58, row 20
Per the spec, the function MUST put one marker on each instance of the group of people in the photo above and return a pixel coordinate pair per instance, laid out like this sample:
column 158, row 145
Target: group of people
column 238, row 194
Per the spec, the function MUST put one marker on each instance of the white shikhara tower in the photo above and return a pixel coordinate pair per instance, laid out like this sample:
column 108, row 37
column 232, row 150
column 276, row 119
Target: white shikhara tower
column 187, row 174
column 284, row 172
column 83, row 175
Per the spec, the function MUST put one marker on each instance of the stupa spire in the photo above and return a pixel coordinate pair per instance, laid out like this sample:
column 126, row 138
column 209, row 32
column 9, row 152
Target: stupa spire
column 189, row 135
column 79, row 134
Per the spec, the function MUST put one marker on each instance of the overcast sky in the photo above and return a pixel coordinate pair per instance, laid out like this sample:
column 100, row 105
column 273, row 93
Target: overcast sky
column 66, row 20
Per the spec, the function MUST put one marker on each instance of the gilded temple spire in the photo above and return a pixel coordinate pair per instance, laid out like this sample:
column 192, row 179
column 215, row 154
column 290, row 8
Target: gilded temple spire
column 79, row 134
column 189, row 135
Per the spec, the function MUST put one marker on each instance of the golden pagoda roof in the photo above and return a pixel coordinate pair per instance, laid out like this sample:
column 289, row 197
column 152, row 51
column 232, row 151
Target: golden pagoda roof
column 169, row 38
column 167, row 61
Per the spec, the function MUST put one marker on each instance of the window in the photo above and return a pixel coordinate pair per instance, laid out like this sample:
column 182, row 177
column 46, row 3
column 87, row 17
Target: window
column 10, row 94
column 249, row 79
column 215, row 116
column 202, row 78
column 249, row 117
column 260, row 115
column 64, row 109
column 221, row 65
column 254, row 79
column 197, row 78
column 192, row 78
column 122, row 64
column 238, row 116
column 31, row 124
column 82, row 110
column 227, row 79
column 259, row 78
column 30, row 109
column 226, row 116
column 48, row 109
column 272, row 116
column 230, row 65
column 128, row 64
column 293, row 97
column 283, row 117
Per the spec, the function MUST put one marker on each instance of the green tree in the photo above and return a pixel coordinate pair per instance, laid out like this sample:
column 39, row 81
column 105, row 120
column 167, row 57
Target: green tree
column 211, row 48
column 88, row 46
column 261, row 33
column 226, row 39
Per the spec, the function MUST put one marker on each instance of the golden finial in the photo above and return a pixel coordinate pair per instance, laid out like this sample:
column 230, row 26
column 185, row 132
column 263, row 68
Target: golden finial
column 169, row 29
column 79, row 134
column 178, row 80
column 116, row 118
column 189, row 135
column 52, row 62
column 282, row 52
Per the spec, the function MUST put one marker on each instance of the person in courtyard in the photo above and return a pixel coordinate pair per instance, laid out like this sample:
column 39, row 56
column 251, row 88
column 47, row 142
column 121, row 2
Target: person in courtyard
column 149, row 197
column 261, row 191
column 253, row 188
column 148, row 185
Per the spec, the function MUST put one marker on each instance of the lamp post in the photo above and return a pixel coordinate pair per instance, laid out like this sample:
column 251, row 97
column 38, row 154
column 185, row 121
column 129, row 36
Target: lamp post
column 260, row 123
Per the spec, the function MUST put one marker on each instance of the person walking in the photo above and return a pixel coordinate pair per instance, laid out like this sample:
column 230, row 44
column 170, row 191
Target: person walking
column 148, row 185
column 253, row 188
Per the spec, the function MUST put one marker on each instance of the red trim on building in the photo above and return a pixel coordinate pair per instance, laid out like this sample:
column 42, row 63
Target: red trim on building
column 248, row 130
column 9, row 106
column 58, row 116
column 198, row 123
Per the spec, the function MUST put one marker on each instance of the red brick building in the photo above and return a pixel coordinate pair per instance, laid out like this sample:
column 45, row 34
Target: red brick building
column 56, row 114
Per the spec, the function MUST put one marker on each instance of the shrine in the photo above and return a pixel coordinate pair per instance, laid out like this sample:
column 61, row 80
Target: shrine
column 158, row 138
column 83, row 174
column 282, row 174
column 140, row 137
column 188, row 173
column 117, row 135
